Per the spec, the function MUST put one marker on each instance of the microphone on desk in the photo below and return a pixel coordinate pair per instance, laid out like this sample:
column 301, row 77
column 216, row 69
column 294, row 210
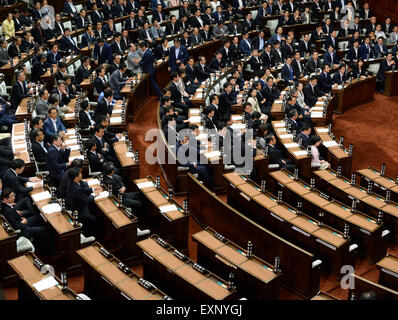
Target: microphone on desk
column 157, row 182
column 75, row 218
column 136, row 157
column 263, row 185
column 388, row 196
column 354, row 205
column 124, row 268
column 280, row 196
column 53, row 196
column 249, row 250
column 350, row 149
column 185, row 206
column 296, row 173
column 161, row 242
column 64, row 282
column 383, row 169
column 6, row 227
column 346, row 233
column 299, row 207
column 277, row 264
column 231, row 277
column 312, row 184
column 320, row 221
column 370, row 187
column 105, row 253
column 110, row 190
column 170, row 194
column 379, row 217
column 338, row 173
column 353, row 178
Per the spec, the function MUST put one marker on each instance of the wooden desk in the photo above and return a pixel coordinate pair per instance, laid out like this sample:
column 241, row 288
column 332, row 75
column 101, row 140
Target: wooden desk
column 333, row 153
column 253, row 278
column 388, row 271
column 9, row 71
column 299, row 228
column 136, row 96
column 363, row 228
column 29, row 275
column 371, row 203
column 294, row 152
column 120, row 231
column 165, row 216
column 211, row 211
column 391, row 88
column 104, row 280
column 380, row 183
column 363, row 285
column 178, row 276
column 8, row 250
column 355, row 94
column 130, row 167
column 66, row 237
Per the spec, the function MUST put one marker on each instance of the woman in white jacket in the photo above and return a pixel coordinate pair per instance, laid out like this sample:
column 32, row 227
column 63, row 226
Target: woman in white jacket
column 316, row 160
column 252, row 99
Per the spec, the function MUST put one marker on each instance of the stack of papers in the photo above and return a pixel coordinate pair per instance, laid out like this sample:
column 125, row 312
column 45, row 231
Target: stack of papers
column 194, row 119
column 93, row 182
column 69, row 142
column 31, row 184
column 75, row 147
column 116, row 119
column 69, row 115
column 51, row 208
column 194, row 111
column 279, row 124
column 41, row 196
column 286, row 136
column 70, row 132
column 300, row 153
column 129, row 155
column 291, row 145
column 322, row 130
column 316, row 115
column 103, row 194
column 115, row 111
column 329, row 144
column 168, row 208
column 143, row 185
column 46, row 283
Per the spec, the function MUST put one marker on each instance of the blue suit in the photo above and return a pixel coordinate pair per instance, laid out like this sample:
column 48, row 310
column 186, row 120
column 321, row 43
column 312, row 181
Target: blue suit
column 146, row 64
column 182, row 56
column 325, row 82
column 48, row 127
column 105, row 56
column 351, row 54
column 377, row 50
column 53, row 59
column 327, row 59
column 244, row 46
column 287, row 74
column 364, row 52
column 154, row 4
column 57, row 162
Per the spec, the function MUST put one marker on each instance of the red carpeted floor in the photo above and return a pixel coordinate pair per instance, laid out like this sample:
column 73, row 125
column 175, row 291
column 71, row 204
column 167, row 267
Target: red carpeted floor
column 370, row 127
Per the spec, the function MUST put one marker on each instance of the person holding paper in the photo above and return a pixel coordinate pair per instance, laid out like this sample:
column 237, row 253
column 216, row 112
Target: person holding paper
column 31, row 227
column 316, row 160
column 78, row 199
column 57, row 159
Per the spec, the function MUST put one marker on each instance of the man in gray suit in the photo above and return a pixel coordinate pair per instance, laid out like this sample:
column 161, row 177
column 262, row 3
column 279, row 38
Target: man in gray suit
column 42, row 104
column 156, row 30
column 133, row 59
column 220, row 30
column 4, row 58
column 117, row 81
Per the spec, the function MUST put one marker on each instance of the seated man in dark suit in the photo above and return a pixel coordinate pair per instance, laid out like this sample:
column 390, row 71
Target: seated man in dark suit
column 39, row 146
column 312, row 93
column 96, row 160
column 19, row 90
column 57, row 159
column 31, row 227
column 271, row 93
column 12, row 179
column 80, row 200
column 102, row 52
column 104, row 107
column 325, row 82
column 103, row 146
column 227, row 99
column 275, row 155
column 40, row 68
column 67, row 43
column 380, row 49
column 305, row 135
column 340, row 76
column 202, row 71
column 385, row 65
column 53, row 56
column 287, row 73
column 313, row 63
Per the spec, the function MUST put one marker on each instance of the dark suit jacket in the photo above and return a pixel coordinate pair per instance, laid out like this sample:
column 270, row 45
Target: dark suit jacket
column 225, row 103
column 98, row 85
column 38, row 152
column 337, row 78
column 101, row 109
column 16, row 183
column 105, row 56
column 18, row 94
column 311, row 96
column 96, row 164
column 57, row 161
column 38, row 70
column 325, row 82
column 146, row 62
column 13, row 50
column 81, row 74
column 275, row 156
column 67, row 45
column 202, row 74
column 116, row 181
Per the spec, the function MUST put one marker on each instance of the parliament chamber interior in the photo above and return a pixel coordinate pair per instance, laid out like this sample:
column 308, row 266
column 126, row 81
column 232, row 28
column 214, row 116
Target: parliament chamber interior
column 198, row 150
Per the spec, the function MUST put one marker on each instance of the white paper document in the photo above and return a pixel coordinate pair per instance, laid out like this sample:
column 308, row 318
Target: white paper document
column 281, row 130
column 129, row 155
column 316, row 114
column 116, row 119
column 322, row 130
column 93, row 182
column 279, row 124
column 194, row 119
column 331, row 143
column 143, row 185
column 194, row 111
column 103, row 194
column 168, row 208
column 41, row 196
column 70, row 142
column 115, row 111
column 300, row 153
column 77, row 157
column 286, row 136
column 45, row 283
column 75, row 147
column 213, row 154
column 31, row 184
column 52, row 208
column 291, row 145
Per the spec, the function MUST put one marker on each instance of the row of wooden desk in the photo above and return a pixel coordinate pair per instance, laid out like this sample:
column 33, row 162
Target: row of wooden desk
column 370, row 202
column 370, row 236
